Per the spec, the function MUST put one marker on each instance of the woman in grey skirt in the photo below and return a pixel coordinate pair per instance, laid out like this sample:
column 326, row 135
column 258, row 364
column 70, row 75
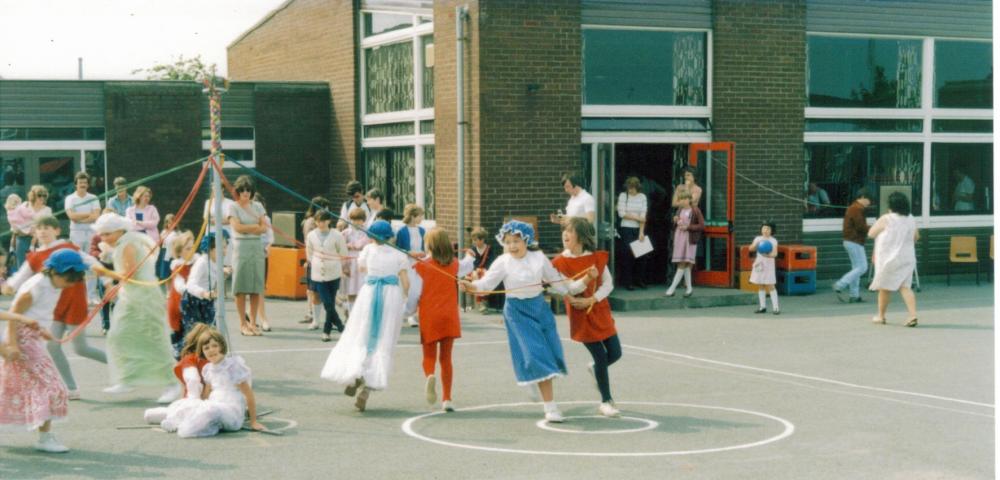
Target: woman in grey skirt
column 249, row 223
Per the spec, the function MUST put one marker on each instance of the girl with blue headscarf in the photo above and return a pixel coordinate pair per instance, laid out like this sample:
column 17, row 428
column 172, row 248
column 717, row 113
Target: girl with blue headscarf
column 362, row 358
column 535, row 347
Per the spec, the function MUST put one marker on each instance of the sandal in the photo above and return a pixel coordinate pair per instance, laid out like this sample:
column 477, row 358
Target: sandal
column 912, row 322
column 878, row 320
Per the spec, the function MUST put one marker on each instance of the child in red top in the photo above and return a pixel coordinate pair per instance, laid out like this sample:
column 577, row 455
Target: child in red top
column 438, row 310
column 71, row 309
column 590, row 320
column 182, row 254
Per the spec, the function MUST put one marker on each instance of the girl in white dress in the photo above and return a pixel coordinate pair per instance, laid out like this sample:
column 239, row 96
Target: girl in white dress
column 895, row 234
column 362, row 357
column 763, row 274
column 230, row 397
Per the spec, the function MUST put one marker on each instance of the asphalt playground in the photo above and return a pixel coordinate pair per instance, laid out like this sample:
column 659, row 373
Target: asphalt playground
column 818, row 392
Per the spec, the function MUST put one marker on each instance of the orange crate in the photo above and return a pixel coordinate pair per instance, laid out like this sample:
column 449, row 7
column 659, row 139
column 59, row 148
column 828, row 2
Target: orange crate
column 796, row 257
column 284, row 272
column 746, row 258
column 745, row 284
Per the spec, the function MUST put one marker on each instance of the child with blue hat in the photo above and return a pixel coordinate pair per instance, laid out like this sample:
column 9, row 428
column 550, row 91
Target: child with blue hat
column 362, row 358
column 535, row 348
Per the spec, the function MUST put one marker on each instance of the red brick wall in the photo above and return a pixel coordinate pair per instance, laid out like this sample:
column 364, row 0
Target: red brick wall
column 519, row 142
column 758, row 102
column 310, row 40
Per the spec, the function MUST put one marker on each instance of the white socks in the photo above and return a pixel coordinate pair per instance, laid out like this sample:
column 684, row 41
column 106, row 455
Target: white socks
column 318, row 313
column 762, row 296
column 687, row 280
column 550, row 407
column 677, row 280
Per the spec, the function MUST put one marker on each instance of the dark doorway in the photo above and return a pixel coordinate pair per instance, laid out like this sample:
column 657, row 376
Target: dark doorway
column 653, row 164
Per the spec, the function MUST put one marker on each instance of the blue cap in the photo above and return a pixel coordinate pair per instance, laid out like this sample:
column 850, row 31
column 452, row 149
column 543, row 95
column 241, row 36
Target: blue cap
column 208, row 241
column 66, row 260
column 519, row 228
column 380, row 230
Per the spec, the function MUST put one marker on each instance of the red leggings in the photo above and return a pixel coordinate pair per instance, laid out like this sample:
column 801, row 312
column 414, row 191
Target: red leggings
column 431, row 356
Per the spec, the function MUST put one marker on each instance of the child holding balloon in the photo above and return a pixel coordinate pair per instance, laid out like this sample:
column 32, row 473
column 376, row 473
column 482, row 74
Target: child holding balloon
column 763, row 274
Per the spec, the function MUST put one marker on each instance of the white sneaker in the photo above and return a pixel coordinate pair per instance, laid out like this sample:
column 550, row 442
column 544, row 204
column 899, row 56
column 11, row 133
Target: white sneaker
column 430, row 389
column 609, row 410
column 313, row 326
column 412, row 321
column 170, row 394
column 447, row 406
column 120, row 388
column 74, row 395
column 47, row 443
column 555, row 416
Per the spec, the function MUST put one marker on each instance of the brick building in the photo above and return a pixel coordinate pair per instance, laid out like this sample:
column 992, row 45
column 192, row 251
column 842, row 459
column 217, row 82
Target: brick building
column 49, row 130
column 788, row 107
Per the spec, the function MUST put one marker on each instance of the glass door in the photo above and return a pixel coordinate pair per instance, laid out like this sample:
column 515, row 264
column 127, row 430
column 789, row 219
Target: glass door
column 603, row 178
column 714, row 163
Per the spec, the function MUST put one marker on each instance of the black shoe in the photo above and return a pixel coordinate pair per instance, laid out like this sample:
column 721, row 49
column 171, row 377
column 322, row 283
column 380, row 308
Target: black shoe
column 856, row 300
column 840, row 295
column 761, row 310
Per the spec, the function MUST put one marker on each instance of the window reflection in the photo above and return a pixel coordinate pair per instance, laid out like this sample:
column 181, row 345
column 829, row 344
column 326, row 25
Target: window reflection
column 863, row 72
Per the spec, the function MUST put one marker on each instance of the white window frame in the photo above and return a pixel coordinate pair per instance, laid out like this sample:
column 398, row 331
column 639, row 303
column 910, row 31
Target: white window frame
column 598, row 110
column 235, row 145
column 927, row 113
column 417, row 114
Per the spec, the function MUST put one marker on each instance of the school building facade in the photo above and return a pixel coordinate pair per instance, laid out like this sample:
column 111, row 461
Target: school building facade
column 52, row 129
column 787, row 108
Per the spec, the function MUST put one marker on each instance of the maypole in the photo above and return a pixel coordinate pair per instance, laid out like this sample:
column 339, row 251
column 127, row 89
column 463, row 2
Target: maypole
column 214, row 88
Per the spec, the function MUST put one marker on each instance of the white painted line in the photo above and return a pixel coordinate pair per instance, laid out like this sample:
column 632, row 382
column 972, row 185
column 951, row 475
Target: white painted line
column 808, row 377
column 788, row 430
column 649, row 425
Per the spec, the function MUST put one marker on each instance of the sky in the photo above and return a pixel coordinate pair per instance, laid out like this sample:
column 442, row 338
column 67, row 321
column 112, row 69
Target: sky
column 42, row 39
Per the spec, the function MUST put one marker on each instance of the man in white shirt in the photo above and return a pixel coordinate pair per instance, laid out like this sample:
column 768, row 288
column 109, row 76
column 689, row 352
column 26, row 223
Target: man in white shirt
column 374, row 199
column 82, row 208
column 580, row 204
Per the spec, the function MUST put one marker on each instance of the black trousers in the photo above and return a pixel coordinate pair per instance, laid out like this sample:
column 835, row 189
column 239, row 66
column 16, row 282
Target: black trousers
column 631, row 270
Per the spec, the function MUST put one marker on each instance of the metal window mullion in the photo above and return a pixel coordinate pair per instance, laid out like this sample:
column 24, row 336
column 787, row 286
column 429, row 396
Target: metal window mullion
column 927, row 107
column 418, row 173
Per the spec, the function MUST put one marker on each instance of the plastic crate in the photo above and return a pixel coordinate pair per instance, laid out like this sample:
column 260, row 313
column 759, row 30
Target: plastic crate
column 801, row 282
column 745, row 284
column 796, row 257
column 747, row 258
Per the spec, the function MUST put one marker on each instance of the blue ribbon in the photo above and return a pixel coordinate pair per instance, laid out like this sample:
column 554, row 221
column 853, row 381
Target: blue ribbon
column 377, row 303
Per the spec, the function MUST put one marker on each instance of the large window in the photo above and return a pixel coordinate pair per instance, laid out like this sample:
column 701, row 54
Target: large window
column 397, row 103
column 644, row 67
column 863, row 72
column 838, row 171
column 961, row 179
column 963, row 74
column 904, row 114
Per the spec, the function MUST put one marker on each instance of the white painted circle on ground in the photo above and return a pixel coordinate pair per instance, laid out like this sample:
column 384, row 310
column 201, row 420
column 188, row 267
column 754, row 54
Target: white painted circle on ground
column 649, row 425
column 788, row 430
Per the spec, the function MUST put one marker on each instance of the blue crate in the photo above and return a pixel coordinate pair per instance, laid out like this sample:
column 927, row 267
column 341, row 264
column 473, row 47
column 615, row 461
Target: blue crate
column 799, row 282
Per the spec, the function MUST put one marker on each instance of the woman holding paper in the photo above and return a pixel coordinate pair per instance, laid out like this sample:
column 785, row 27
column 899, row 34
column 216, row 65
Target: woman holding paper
column 632, row 208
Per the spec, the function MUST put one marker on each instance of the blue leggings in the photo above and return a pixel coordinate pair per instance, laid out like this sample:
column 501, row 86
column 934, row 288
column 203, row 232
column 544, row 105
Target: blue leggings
column 605, row 353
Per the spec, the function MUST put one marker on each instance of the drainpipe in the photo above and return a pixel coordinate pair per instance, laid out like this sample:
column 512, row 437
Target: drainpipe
column 461, row 14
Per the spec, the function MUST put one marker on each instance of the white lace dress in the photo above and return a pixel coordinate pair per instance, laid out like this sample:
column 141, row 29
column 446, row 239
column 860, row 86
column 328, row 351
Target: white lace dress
column 225, row 408
column 351, row 358
column 171, row 416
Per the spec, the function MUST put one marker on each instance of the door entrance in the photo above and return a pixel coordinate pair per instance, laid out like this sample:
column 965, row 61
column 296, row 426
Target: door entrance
column 652, row 164
column 715, row 166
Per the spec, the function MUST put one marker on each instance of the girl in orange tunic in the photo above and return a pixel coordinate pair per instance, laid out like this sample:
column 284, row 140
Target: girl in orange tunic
column 182, row 252
column 438, row 310
column 589, row 313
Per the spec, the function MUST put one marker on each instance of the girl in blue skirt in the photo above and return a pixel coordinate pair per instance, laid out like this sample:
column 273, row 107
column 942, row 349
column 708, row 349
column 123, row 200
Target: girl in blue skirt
column 535, row 348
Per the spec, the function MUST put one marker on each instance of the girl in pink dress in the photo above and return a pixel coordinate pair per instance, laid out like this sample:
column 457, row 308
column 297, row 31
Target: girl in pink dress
column 689, row 223
column 32, row 393
column 356, row 240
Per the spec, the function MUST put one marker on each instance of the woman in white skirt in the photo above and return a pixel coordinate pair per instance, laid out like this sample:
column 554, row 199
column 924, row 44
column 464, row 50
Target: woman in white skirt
column 362, row 357
column 895, row 257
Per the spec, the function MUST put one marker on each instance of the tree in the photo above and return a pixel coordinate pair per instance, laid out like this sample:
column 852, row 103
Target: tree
column 181, row 69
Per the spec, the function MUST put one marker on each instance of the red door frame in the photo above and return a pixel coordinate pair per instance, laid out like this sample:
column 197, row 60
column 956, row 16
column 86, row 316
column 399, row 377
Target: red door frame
column 719, row 278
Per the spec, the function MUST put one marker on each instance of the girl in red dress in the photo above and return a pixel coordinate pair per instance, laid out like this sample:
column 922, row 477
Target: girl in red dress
column 438, row 310
column 182, row 252
column 590, row 320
